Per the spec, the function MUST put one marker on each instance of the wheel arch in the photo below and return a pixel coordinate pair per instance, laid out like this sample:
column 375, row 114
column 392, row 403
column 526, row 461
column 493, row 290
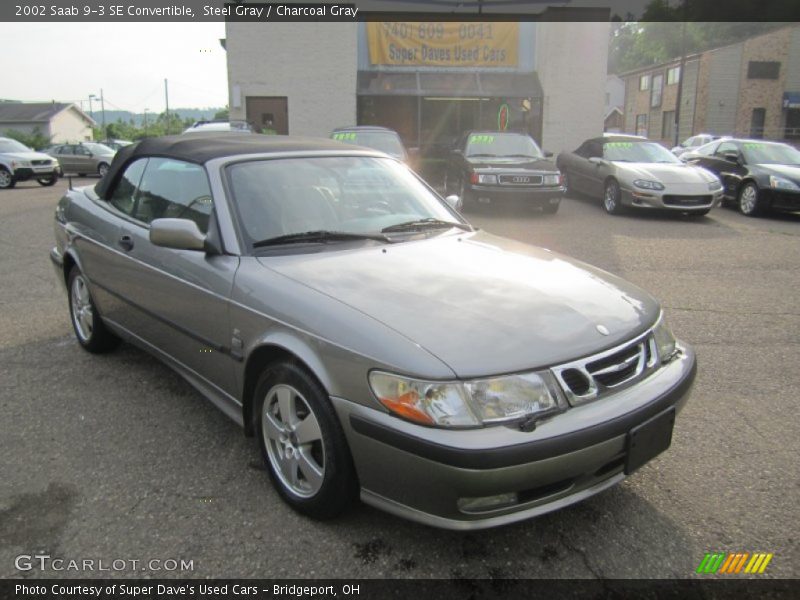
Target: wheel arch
column 281, row 348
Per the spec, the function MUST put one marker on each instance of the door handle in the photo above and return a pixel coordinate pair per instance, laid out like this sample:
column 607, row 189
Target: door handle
column 126, row 243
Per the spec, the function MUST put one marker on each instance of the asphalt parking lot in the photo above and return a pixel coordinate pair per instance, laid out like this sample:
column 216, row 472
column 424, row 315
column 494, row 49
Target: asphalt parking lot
column 115, row 457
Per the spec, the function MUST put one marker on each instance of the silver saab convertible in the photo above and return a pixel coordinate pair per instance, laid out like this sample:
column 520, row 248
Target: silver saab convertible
column 376, row 345
column 633, row 172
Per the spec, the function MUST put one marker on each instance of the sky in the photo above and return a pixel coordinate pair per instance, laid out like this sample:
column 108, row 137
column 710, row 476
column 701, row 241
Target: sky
column 67, row 62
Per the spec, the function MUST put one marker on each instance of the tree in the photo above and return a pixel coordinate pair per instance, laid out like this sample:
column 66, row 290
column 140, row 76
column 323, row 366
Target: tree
column 35, row 139
column 222, row 115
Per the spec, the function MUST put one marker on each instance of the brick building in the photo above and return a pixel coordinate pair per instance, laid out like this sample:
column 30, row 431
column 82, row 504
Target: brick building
column 749, row 89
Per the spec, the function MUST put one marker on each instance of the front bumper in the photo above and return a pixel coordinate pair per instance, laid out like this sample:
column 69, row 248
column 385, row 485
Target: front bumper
column 26, row 173
column 670, row 200
column 432, row 475
column 538, row 195
column 783, row 199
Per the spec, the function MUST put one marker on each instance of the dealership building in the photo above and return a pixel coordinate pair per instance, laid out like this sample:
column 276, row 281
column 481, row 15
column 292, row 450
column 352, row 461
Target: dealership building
column 429, row 81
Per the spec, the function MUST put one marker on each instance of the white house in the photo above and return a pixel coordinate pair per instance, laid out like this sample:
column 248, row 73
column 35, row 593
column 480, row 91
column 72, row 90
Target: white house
column 58, row 121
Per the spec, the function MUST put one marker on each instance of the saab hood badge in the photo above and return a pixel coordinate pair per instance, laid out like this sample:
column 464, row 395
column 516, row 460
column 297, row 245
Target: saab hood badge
column 603, row 329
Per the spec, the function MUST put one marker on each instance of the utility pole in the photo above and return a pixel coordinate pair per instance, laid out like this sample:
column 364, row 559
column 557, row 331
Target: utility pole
column 166, row 100
column 91, row 112
column 145, row 122
column 103, row 109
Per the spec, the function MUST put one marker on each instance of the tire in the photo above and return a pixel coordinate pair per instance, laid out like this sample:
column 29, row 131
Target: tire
column 748, row 201
column 315, row 477
column 102, row 169
column 6, row 179
column 567, row 188
column 467, row 203
column 47, row 181
column 89, row 328
column 550, row 209
column 612, row 201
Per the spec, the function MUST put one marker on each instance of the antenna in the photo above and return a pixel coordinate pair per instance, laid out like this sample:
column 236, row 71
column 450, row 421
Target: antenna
column 69, row 178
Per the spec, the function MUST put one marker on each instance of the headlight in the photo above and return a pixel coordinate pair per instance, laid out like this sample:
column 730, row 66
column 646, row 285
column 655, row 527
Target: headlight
column 714, row 186
column 665, row 341
column 779, row 183
column 648, row 185
column 551, row 179
column 486, row 178
column 469, row 403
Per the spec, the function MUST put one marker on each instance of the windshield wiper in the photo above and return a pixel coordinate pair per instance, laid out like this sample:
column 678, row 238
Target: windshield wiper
column 476, row 155
column 429, row 223
column 523, row 156
column 321, row 235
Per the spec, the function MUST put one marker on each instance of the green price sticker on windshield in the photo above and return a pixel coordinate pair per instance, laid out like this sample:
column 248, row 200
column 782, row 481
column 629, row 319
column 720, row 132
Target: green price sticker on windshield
column 620, row 145
column 345, row 137
column 481, row 139
column 753, row 146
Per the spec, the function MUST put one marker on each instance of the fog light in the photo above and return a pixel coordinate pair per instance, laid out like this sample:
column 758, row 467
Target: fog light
column 486, row 503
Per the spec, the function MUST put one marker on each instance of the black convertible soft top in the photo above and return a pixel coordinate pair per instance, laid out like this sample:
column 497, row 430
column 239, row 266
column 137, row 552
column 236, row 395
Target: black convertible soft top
column 202, row 147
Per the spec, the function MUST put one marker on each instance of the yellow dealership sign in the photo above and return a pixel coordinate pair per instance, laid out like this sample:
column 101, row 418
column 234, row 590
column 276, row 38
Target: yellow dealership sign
column 443, row 44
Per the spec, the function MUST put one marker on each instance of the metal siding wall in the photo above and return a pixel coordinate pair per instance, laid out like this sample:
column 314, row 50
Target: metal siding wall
column 793, row 64
column 688, row 95
column 723, row 90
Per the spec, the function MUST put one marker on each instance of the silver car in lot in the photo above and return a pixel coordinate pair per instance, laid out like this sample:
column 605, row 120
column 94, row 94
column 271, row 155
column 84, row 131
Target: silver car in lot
column 85, row 158
column 376, row 345
column 632, row 172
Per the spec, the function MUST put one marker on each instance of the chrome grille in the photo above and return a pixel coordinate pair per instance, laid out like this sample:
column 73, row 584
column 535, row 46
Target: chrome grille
column 40, row 162
column 594, row 376
column 520, row 179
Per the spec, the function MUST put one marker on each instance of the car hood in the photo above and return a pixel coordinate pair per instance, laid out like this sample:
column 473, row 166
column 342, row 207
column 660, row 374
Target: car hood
column 27, row 156
column 482, row 304
column 502, row 163
column 666, row 173
column 789, row 171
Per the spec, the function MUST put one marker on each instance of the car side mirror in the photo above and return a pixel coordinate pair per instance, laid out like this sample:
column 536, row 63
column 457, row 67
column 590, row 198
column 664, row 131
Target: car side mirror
column 453, row 202
column 548, row 154
column 180, row 234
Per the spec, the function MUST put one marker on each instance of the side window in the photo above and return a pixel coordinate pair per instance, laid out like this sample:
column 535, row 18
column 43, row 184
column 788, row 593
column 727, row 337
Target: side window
column 174, row 189
column 65, row 150
column 81, row 150
column 595, row 150
column 583, row 150
column 124, row 194
column 725, row 148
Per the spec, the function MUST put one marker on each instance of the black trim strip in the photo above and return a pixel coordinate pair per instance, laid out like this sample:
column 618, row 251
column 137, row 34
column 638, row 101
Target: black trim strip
column 235, row 355
column 496, row 458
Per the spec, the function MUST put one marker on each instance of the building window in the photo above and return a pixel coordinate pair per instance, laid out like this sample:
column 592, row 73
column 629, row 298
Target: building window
column 644, row 83
column 763, row 69
column 668, row 125
column 757, row 122
column 673, row 75
column 655, row 93
column 641, row 125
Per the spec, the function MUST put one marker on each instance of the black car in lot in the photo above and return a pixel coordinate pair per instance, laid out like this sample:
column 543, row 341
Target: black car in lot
column 491, row 166
column 757, row 175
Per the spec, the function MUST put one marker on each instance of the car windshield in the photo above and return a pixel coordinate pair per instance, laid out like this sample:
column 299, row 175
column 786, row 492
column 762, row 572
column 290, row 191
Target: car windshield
column 98, row 149
column 13, row 146
column 770, row 154
column 706, row 149
column 639, row 152
column 341, row 195
column 502, row 144
column 384, row 141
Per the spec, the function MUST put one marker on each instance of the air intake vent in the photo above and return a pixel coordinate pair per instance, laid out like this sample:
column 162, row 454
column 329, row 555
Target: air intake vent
column 576, row 381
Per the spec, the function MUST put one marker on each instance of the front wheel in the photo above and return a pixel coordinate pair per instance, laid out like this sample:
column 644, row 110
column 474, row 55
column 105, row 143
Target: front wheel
column 6, row 179
column 749, row 202
column 612, row 201
column 302, row 443
column 47, row 181
column 89, row 328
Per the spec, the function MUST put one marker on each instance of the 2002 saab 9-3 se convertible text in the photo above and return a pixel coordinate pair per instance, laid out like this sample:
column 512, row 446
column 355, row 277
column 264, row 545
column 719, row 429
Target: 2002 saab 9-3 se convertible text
column 329, row 301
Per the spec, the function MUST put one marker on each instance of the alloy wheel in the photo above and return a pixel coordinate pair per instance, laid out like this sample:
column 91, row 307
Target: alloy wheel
column 293, row 440
column 82, row 313
column 748, row 199
column 5, row 179
column 610, row 198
